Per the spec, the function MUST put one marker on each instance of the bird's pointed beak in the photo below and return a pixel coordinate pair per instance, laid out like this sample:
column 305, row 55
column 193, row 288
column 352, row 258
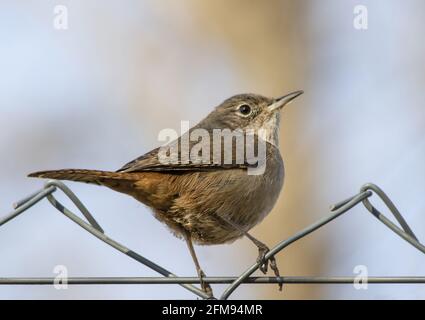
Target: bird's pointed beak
column 278, row 103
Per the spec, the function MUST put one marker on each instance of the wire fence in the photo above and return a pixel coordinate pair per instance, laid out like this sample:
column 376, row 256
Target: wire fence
column 93, row 227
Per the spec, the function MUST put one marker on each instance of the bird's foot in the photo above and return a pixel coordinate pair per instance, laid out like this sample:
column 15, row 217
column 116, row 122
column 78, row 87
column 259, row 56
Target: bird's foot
column 205, row 286
column 264, row 263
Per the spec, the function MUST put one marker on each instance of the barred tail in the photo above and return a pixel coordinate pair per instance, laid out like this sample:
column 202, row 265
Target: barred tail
column 89, row 176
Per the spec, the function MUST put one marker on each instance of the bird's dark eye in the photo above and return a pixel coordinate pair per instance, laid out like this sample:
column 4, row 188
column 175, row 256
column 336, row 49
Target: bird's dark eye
column 245, row 109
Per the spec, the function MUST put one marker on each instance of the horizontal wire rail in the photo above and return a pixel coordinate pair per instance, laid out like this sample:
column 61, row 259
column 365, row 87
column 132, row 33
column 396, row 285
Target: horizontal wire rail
column 93, row 227
column 212, row 280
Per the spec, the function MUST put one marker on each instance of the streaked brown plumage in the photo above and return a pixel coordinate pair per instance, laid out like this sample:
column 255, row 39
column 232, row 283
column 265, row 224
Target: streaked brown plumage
column 205, row 203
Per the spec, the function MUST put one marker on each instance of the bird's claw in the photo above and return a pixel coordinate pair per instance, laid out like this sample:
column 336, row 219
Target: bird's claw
column 205, row 286
column 264, row 263
column 261, row 259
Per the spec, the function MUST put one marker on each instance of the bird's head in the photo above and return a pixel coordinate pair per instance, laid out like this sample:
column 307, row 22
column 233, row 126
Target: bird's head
column 250, row 111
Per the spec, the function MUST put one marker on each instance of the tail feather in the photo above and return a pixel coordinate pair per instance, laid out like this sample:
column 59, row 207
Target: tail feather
column 89, row 176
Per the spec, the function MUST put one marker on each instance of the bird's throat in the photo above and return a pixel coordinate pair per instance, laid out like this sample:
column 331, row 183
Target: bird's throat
column 269, row 130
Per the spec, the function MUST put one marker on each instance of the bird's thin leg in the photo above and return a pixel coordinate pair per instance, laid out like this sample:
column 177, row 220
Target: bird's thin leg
column 205, row 286
column 262, row 251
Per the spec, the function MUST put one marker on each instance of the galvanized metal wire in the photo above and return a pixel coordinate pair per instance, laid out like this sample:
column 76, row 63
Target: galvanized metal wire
column 93, row 227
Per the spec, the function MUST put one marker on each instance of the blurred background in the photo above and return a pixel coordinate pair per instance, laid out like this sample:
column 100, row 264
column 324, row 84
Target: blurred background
column 97, row 94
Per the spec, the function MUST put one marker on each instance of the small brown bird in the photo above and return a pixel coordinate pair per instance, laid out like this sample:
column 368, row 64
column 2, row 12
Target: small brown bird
column 207, row 202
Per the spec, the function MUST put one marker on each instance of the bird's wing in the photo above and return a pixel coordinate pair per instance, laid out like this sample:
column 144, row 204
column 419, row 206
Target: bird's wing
column 151, row 160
